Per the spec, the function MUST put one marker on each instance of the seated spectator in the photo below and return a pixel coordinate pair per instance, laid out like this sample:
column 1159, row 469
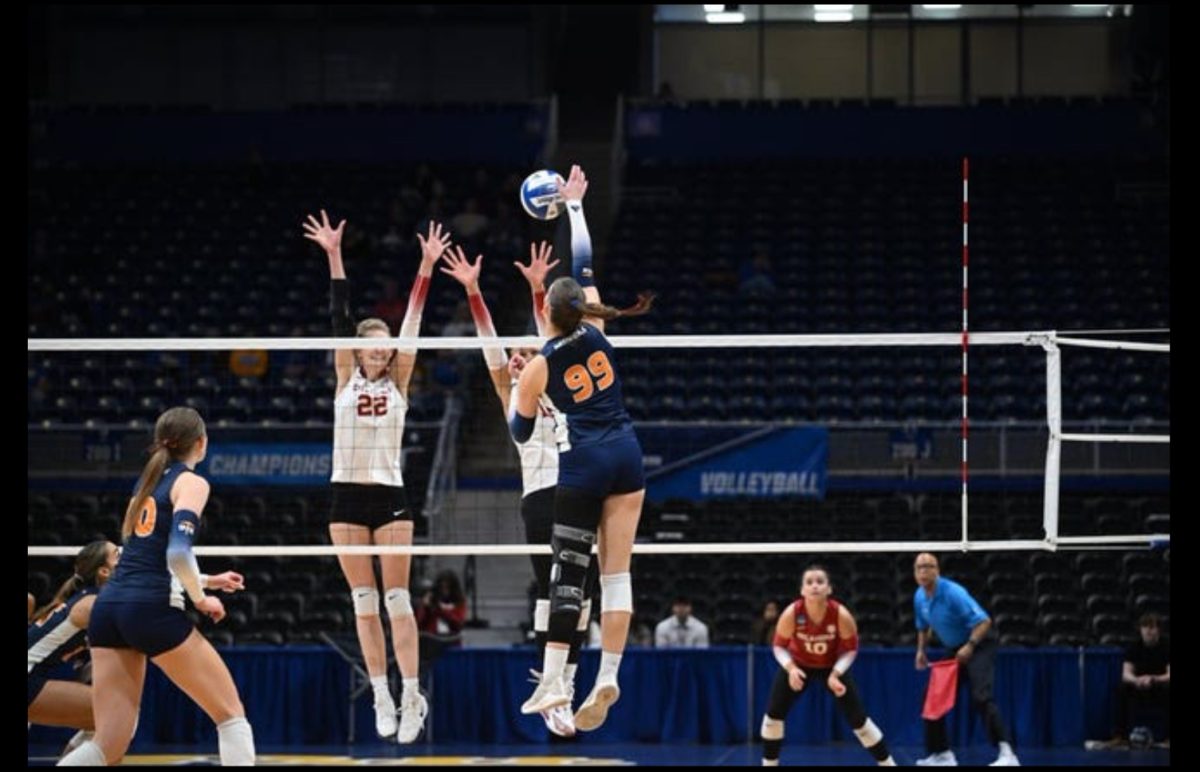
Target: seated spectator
column 1145, row 680
column 681, row 629
column 762, row 630
column 443, row 608
column 640, row 635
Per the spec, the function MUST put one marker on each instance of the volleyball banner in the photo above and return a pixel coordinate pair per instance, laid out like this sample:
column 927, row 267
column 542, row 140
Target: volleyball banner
column 765, row 463
column 112, row 458
column 301, row 463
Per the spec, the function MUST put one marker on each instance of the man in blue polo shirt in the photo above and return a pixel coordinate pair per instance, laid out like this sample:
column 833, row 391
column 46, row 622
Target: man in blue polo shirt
column 944, row 608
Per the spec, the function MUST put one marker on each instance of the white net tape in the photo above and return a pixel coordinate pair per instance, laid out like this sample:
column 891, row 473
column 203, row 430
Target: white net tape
column 1049, row 340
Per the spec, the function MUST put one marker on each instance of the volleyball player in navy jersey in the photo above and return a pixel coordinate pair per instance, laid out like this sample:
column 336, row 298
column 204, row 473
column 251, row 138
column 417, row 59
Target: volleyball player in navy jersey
column 140, row 615
column 600, row 480
column 57, row 634
column 369, row 502
column 539, row 457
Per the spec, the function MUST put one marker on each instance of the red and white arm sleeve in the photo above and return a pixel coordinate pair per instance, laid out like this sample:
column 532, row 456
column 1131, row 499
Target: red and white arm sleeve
column 493, row 355
column 411, row 327
column 539, row 298
column 849, row 652
column 779, row 647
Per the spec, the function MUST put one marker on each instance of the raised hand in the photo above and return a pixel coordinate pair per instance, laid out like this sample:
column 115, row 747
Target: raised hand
column 539, row 264
column 323, row 233
column 466, row 272
column 433, row 245
column 575, row 186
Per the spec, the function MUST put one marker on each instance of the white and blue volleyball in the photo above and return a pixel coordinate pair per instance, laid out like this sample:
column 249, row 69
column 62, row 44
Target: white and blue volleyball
column 540, row 196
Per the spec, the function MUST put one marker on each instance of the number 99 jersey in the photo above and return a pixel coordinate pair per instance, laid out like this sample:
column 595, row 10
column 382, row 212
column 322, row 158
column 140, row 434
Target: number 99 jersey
column 583, row 384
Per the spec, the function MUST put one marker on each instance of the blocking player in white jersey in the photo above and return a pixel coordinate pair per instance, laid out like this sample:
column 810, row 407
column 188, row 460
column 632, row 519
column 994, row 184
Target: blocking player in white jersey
column 369, row 503
column 539, row 455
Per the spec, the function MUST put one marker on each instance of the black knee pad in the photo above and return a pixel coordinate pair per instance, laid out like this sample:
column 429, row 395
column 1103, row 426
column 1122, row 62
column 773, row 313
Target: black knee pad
column 576, row 517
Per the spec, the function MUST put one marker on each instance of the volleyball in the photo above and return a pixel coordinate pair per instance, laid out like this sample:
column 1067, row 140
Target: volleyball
column 540, row 196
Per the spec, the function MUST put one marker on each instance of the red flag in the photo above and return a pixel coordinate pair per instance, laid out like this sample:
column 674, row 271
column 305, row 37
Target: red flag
column 943, row 689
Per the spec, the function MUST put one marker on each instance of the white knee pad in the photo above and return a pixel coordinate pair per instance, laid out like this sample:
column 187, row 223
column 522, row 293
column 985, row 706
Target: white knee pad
column 541, row 615
column 398, row 603
column 585, row 615
column 235, row 739
column 616, row 592
column 366, row 601
column 772, row 728
column 868, row 734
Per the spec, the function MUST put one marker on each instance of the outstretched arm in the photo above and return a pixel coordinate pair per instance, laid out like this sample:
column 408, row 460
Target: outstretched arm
column 432, row 247
column 467, row 274
column 535, row 273
column 330, row 240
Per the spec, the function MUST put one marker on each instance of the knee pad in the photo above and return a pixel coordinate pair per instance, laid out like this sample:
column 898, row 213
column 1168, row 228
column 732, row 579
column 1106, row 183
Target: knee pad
column 585, row 616
column 572, row 554
column 397, row 602
column 366, row 601
column 772, row 728
column 572, row 548
column 541, row 615
column 868, row 734
column 616, row 592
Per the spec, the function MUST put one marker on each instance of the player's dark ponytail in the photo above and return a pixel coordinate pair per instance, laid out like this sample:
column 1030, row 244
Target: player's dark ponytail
column 568, row 305
column 88, row 562
column 175, row 434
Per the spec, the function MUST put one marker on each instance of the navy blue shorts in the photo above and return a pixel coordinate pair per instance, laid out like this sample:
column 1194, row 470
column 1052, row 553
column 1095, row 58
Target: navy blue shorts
column 37, row 682
column 151, row 628
column 604, row 469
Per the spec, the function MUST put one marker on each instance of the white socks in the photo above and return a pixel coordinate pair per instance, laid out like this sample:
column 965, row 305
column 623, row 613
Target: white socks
column 569, row 673
column 236, row 742
column 86, row 755
column 410, row 689
column 609, row 663
column 554, row 662
column 379, row 684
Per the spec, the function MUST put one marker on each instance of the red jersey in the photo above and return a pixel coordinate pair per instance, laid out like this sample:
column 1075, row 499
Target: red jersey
column 815, row 643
